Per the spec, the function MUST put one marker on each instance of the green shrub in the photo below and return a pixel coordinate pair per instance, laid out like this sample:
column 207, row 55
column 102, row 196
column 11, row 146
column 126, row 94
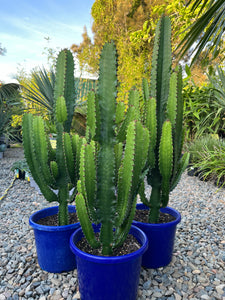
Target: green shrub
column 208, row 158
column 203, row 114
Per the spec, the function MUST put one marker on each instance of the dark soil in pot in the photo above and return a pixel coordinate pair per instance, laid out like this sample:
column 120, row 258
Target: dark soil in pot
column 130, row 245
column 53, row 220
column 141, row 215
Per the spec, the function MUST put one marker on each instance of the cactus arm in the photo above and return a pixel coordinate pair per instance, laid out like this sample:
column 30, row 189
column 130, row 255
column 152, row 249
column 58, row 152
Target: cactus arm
column 178, row 128
column 135, row 157
column 166, row 160
column 130, row 116
column 69, row 158
column 61, row 111
column 91, row 114
column 88, row 179
column 118, row 149
column 133, row 113
column 155, row 197
column 140, row 157
column 107, row 93
column 161, row 67
column 60, row 156
column 29, row 151
column 134, row 100
column 145, row 89
column 76, row 147
column 106, row 196
column 63, row 196
column 172, row 99
column 85, row 222
column 41, row 146
column 142, row 195
column 54, row 169
column 122, row 231
column 151, row 124
column 125, row 173
column 120, row 112
column 65, row 84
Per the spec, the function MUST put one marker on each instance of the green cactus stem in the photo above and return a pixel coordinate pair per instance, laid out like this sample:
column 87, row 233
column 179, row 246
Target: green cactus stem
column 109, row 178
column 55, row 169
column 163, row 116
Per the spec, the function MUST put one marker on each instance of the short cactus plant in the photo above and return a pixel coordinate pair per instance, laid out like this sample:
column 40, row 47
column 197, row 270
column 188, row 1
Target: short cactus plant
column 163, row 116
column 55, row 169
column 109, row 177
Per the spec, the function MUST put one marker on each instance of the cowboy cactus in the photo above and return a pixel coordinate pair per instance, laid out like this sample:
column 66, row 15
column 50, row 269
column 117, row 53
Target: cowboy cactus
column 109, row 177
column 55, row 169
column 163, row 116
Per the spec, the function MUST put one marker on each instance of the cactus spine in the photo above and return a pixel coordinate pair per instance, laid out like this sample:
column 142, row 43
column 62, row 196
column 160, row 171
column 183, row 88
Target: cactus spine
column 109, row 179
column 55, row 169
column 163, row 117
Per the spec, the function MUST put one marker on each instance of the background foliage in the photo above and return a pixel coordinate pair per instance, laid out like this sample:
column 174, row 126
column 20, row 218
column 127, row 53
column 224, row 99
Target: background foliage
column 131, row 24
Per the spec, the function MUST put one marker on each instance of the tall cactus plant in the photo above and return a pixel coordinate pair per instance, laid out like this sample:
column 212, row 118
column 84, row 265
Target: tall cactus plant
column 163, row 116
column 55, row 169
column 109, row 178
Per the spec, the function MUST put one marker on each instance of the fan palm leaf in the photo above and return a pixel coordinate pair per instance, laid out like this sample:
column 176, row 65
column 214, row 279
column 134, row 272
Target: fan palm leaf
column 207, row 30
column 42, row 91
column 7, row 91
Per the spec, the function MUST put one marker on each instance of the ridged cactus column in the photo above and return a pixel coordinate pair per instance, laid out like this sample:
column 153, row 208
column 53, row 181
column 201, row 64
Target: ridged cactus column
column 162, row 114
column 55, row 169
column 163, row 117
column 109, row 179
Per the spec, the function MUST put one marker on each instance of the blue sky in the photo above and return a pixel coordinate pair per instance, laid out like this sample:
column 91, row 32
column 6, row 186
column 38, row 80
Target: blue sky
column 25, row 24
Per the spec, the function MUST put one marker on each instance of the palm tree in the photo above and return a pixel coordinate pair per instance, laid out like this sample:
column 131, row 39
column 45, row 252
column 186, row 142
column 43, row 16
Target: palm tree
column 42, row 91
column 9, row 94
column 42, row 94
column 7, row 90
column 208, row 29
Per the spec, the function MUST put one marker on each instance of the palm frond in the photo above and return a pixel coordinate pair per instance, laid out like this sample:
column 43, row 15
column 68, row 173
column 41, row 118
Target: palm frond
column 8, row 90
column 42, row 91
column 208, row 29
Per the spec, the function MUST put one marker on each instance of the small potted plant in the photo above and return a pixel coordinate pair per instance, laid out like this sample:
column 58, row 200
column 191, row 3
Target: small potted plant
column 106, row 201
column 55, row 171
column 163, row 116
column 21, row 169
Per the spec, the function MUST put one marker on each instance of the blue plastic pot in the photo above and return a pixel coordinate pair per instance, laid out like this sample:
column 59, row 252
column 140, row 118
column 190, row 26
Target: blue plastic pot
column 111, row 278
column 161, row 239
column 52, row 242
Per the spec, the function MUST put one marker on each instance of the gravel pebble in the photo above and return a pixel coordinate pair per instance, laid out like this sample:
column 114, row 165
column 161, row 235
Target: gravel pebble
column 196, row 272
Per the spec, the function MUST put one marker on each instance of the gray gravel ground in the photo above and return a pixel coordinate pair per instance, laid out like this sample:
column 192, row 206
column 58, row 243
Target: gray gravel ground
column 197, row 270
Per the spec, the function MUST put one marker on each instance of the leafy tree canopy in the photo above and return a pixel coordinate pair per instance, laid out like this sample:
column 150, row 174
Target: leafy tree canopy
column 131, row 24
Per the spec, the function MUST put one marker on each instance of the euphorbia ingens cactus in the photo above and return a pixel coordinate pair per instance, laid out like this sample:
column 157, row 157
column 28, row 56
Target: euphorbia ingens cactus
column 109, row 177
column 55, row 169
column 163, row 116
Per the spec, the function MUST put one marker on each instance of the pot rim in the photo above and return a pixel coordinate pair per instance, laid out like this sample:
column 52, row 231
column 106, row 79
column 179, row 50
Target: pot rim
column 168, row 210
column 48, row 211
column 139, row 235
